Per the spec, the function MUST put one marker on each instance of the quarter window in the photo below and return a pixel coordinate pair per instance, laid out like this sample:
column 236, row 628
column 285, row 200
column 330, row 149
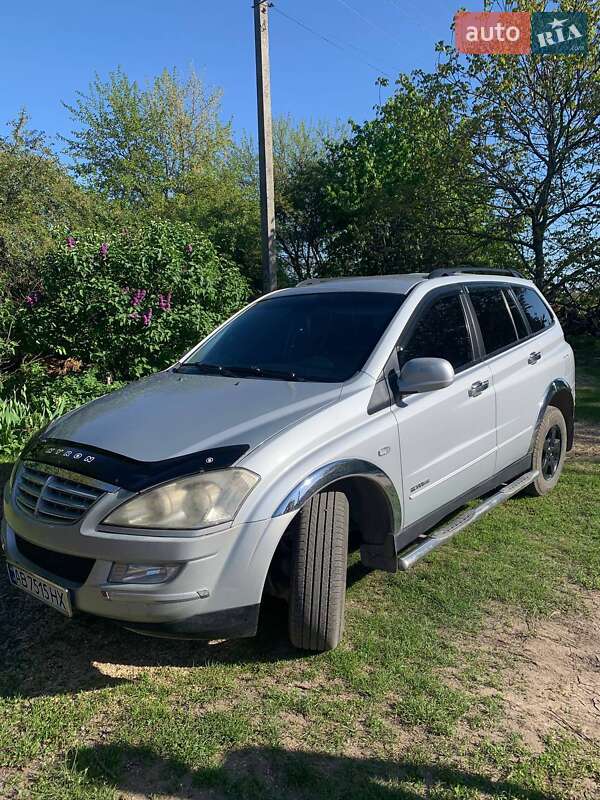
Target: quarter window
column 494, row 317
column 535, row 309
column 441, row 332
column 520, row 326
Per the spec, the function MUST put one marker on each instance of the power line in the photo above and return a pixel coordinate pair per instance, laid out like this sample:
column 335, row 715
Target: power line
column 400, row 6
column 368, row 21
column 338, row 45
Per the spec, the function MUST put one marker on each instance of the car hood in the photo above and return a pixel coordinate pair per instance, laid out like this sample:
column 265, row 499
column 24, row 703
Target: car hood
column 170, row 414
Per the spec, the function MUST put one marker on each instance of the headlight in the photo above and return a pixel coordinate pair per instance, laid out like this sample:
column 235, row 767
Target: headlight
column 188, row 503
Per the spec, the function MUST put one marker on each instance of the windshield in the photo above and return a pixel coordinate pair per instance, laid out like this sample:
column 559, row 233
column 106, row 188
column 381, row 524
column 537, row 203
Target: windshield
column 319, row 336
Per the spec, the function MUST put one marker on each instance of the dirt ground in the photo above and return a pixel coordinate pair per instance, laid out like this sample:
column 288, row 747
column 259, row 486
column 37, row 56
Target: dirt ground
column 550, row 673
column 586, row 446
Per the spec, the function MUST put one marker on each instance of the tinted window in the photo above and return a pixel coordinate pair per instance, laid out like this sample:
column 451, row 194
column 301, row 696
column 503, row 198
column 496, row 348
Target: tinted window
column 319, row 336
column 441, row 332
column 534, row 307
column 522, row 331
column 494, row 317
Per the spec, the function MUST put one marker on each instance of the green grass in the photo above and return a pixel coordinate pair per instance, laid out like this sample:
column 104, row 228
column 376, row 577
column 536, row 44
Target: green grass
column 401, row 710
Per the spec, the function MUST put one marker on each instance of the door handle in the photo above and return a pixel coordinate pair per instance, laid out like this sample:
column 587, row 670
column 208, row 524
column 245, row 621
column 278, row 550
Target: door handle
column 534, row 358
column 478, row 387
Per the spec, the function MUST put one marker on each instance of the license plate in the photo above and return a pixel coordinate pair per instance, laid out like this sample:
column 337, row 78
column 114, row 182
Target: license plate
column 46, row 591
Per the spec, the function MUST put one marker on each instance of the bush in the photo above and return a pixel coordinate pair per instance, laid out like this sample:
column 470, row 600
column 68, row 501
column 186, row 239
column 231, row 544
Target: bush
column 8, row 345
column 32, row 398
column 128, row 303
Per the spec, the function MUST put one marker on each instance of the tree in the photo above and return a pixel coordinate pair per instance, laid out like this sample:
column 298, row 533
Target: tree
column 36, row 194
column 140, row 145
column 535, row 134
column 401, row 193
column 299, row 196
column 223, row 203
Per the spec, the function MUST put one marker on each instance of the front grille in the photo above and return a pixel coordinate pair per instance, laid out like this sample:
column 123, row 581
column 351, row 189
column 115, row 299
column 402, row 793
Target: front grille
column 71, row 568
column 52, row 498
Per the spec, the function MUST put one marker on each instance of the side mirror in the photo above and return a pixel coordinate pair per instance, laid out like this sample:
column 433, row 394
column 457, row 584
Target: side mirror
column 424, row 375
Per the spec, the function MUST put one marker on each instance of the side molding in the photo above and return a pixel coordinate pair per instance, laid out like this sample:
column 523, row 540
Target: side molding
column 330, row 473
column 557, row 385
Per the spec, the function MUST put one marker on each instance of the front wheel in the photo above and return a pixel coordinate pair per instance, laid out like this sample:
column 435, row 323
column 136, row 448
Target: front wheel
column 318, row 575
column 549, row 452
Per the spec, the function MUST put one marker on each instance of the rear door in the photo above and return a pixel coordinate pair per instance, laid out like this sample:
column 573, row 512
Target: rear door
column 447, row 437
column 520, row 355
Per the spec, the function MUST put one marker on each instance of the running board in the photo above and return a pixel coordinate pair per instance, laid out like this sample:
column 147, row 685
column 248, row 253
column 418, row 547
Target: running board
column 438, row 536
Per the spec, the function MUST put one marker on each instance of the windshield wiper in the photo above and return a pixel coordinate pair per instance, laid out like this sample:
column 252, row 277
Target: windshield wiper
column 206, row 369
column 264, row 372
column 237, row 371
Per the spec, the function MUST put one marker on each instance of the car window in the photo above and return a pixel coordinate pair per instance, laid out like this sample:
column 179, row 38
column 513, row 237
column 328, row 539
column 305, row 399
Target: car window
column 517, row 316
column 440, row 332
column 535, row 309
column 494, row 318
column 318, row 336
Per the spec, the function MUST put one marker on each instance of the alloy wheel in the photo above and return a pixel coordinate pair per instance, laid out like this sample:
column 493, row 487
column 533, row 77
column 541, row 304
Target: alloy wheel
column 551, row 452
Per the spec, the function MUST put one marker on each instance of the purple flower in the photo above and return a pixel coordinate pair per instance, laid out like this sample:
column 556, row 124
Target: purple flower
column 137, row 298
column 32, row 299
column 189, row 248
column 164, row 301
column 147, row 318
column 71, row 242
column 103, row 249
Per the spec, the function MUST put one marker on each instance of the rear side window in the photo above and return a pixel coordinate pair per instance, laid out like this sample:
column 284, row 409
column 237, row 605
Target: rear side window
column 441, row 332
column 495, row 319
column 536, row 311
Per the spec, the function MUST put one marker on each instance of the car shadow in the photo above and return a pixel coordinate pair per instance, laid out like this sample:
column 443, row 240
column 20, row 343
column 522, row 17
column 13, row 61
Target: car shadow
column 271, row 772
column 43, row 653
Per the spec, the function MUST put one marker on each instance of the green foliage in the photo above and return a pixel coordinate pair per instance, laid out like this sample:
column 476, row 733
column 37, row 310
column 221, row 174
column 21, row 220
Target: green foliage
column 139, row 144
column 302, row 232
column 161, row 152
column 36, row 194
column 32, row 398
column 402, row 194
column 8, row 345
column 223, row 203
column 535, row 132
column 128, row 302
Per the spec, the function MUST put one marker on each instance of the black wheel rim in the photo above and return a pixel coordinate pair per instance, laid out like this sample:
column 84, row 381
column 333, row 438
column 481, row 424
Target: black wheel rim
column 551, row 452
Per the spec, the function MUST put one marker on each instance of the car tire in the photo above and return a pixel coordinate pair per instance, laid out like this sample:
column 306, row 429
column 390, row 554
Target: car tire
column 549, row 452
column 318, row 573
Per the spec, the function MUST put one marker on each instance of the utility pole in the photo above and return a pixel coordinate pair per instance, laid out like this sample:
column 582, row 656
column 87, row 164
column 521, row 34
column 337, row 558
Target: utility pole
column 265, row 145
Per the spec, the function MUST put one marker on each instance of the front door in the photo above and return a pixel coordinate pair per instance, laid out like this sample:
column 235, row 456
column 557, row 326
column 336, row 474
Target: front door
column 448, row 436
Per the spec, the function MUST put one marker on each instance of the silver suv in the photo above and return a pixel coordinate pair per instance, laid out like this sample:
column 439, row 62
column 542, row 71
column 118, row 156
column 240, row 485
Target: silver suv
column 359, row 410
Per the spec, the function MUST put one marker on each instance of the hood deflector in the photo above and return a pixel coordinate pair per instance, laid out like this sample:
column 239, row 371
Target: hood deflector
column 127, row 472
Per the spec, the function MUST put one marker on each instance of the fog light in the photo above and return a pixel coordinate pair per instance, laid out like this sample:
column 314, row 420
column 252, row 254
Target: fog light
column 143, row 573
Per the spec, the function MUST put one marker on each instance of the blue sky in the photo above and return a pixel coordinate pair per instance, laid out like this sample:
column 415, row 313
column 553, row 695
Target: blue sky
column 51, row 50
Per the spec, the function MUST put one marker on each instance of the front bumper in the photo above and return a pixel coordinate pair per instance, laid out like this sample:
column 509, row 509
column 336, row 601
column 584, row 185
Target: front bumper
column 216, row 593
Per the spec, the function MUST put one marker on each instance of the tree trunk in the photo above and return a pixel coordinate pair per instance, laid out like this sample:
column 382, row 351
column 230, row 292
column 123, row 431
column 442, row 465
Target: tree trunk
column 538, row 250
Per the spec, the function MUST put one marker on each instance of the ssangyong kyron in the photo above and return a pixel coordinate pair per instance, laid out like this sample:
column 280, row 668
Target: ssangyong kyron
column 359, row 410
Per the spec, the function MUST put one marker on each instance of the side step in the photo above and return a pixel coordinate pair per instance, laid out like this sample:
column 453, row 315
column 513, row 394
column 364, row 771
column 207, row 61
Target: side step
column 438, row 536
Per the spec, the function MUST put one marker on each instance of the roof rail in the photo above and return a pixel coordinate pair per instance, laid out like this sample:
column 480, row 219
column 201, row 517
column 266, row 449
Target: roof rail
column 445, row 272
column 312, row 281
